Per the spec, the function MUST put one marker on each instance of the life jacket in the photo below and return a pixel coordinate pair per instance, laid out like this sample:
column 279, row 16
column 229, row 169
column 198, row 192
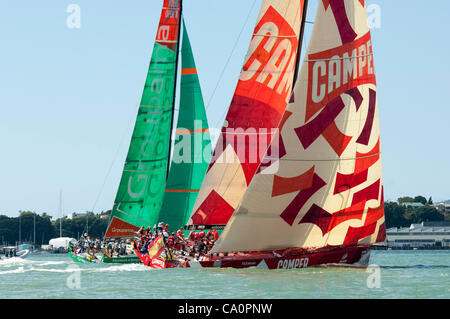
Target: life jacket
column 216, row 234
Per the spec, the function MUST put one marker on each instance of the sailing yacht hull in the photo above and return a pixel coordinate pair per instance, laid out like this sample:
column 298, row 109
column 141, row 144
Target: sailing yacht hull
column 120, row 260
column 85, row 259
column 290, row 259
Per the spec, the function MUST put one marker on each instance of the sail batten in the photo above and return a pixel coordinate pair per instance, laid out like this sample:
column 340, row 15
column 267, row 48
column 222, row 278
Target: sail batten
column 326, row 189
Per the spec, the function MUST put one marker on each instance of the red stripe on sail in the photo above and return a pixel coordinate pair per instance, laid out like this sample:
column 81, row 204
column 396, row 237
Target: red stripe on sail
column 318, row 216
column 293, row 209
column 285, row 185
column 344, row 182
column 189, row 71
column 327, row 221
column 120, row 228
column 366, row 160
column 368, row 193
column 367, row 130
column 340, row 14
column 375, row 214
column 354, row 234
column 381, row 237
column 356, row 96
column 187, row 131
column 213, row 211
column 336, row 139
column 311, row 131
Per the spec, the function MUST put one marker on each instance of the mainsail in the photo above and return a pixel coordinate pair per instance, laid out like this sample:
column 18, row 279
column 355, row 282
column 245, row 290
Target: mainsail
column 192, row 150
column 261, row 96
column 141, row 189
column 327, row 190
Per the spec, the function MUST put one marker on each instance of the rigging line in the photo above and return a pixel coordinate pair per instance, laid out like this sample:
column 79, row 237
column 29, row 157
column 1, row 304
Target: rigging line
column 231, row 53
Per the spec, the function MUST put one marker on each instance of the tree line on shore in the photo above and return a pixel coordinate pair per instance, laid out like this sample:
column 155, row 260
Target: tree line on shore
column 39, row 229
column 402, row 214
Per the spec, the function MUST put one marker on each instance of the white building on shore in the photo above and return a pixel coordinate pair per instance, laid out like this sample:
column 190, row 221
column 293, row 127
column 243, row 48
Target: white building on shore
column 424, row 235
column 74, row 215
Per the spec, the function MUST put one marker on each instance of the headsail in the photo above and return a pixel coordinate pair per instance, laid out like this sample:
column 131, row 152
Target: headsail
column 192, row 151
column 328, row 188
column 141, row 190
column 261, row 95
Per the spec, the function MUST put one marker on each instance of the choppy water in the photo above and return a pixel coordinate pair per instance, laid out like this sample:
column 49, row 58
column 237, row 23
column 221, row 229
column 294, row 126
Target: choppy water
column 401, row 274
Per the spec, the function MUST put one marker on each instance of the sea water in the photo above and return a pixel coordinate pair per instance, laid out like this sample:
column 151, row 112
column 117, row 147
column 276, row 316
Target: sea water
column 392, row 274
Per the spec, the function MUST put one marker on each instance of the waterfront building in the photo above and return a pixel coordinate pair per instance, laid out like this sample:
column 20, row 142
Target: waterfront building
column 424, row 235
column 445, row 207
column 74, row 215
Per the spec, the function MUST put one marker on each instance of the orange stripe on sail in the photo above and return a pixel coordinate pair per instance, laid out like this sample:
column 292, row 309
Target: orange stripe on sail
column 189, row 71
column 182, row 190
column 186, row 131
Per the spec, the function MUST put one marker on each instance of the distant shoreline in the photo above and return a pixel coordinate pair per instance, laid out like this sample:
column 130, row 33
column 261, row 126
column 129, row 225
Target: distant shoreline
column 410, row 248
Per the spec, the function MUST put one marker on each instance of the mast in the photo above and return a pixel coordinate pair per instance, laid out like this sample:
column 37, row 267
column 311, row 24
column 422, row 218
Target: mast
column 34, row 228
column 20, row 229
column 300, row 40
column 60, row 212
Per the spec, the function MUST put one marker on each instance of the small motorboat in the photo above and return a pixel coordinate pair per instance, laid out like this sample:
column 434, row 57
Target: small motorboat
column 11, row 252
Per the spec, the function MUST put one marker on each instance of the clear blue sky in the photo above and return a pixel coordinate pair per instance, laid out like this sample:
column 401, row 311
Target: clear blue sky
column 68, row 97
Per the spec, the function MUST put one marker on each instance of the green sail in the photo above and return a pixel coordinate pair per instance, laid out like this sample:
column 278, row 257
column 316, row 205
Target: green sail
column 192, row 151
column 141, row 189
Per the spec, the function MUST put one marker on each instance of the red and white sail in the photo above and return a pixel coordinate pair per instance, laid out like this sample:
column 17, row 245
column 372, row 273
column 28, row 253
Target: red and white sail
column 261, row 96
column 327, row 189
